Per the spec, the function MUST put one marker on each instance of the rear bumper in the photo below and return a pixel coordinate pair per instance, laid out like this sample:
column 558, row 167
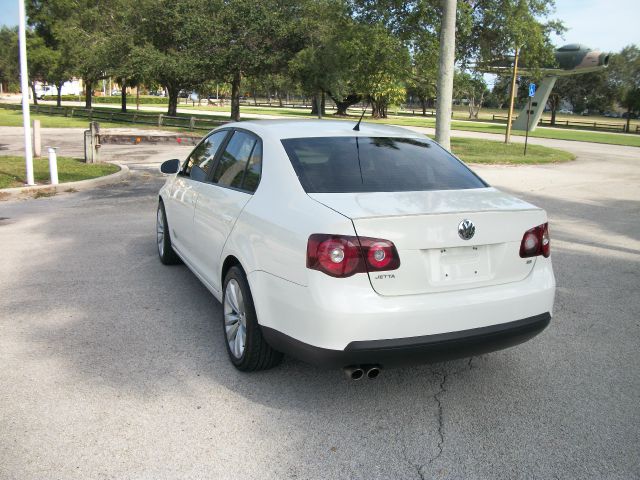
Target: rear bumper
column 413, row 350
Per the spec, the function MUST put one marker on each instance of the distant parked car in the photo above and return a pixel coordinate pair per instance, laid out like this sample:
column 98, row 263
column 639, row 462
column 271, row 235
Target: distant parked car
column 48, row 90
column 629, row 115
column 566, row 111
column 115, row 92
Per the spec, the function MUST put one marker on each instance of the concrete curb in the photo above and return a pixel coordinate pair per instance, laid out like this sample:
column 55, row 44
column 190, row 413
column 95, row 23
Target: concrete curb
column 31, row 191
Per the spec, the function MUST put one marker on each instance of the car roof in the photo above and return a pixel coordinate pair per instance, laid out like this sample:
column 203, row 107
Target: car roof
column 281, row 129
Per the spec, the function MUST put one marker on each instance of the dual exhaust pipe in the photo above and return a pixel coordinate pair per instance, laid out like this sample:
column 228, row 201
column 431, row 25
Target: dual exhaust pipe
column 358, row 372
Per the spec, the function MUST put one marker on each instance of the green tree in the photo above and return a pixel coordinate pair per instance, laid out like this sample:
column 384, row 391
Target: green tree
column 78, row 30
column 41, row 60
column 167, row 50
column 502, row 26
column 246, row 38
column 49, row 57
column 424, row 72
column 588, row 91
column 9, row 67
column 324, row 65
column 472, row 88
column 381, row 67
column 624, row 78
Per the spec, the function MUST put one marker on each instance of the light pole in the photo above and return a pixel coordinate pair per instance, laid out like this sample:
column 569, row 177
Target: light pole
column 445, row 73
column 507, row 135
column 24, row 87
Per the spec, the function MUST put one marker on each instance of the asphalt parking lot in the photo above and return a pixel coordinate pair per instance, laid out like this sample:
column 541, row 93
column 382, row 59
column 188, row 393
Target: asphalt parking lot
column 113, row 365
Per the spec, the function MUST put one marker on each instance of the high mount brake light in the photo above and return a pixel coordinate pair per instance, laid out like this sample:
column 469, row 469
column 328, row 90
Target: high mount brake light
column 536, row 241
column 345, row 255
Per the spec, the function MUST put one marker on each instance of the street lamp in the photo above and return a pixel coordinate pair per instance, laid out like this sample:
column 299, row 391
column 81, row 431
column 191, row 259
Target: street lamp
column 24, row 87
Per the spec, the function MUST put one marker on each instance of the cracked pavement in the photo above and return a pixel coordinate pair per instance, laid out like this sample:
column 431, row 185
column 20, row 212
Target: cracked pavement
column 113, row 365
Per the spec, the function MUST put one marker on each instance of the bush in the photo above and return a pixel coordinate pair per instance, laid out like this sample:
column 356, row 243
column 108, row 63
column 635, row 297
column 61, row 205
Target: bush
column 131, row 99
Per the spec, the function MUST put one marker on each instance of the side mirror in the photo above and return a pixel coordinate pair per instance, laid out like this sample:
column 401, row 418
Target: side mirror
column 170, row 166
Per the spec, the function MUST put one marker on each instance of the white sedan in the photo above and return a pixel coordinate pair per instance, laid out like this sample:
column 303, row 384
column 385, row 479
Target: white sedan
column 358, row 249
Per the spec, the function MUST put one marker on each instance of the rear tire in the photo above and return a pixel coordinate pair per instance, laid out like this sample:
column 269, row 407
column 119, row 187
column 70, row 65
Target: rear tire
column 163, row 238
column 247, row 348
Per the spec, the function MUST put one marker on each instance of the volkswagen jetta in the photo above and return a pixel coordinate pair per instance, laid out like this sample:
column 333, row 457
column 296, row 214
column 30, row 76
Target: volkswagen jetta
column 353, row 248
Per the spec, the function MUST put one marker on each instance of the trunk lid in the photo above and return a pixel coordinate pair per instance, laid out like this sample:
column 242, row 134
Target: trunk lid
column 424, row 228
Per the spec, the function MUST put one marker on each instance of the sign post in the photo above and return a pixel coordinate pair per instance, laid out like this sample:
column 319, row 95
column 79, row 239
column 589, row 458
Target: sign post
column 532, row 92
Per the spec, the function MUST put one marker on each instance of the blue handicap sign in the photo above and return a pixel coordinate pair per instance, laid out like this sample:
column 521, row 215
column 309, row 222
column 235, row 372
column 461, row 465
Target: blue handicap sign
column 532, row 89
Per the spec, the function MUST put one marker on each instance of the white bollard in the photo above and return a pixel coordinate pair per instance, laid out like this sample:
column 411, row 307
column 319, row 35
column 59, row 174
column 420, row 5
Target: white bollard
column 53, row 165
column 37, row 142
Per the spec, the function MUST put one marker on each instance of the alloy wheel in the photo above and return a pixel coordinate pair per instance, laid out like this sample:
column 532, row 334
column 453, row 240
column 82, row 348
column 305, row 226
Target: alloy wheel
column 235, row 320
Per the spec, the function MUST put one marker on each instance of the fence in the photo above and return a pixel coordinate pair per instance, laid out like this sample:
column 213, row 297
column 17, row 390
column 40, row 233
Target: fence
column 161, row 120
column 610, row 127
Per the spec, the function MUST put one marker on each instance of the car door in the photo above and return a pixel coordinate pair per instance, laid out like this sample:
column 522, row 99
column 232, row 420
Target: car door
column 183, row 194
column 220, row 202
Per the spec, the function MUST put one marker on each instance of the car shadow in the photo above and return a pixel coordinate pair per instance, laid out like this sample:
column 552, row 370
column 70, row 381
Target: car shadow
column 99, row 306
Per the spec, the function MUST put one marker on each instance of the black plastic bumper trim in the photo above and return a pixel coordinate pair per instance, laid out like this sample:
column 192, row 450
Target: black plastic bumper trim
column 413, row 350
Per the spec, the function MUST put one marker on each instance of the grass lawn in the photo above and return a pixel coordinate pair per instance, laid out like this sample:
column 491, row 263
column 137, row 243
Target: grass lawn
column 14, row 118
column 632, row 140
column 12, row 170
column 487, row 151
column 469, row 150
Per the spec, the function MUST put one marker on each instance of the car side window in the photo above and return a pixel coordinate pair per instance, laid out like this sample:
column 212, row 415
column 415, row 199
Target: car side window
column 201, row 159
column 254, row 169
column 231, row 168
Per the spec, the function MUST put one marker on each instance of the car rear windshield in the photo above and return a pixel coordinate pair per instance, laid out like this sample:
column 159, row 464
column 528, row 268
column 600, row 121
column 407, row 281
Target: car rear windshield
column 376, row 164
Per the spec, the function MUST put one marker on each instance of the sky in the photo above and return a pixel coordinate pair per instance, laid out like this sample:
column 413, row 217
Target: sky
column 607, row 25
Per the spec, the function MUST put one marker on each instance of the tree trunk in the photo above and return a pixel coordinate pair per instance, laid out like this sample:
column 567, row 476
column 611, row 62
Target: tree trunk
column 318, row 98
column 342, row 104
column 423, row 102
column 235, row 96
column 279, row 95
column 315, row 104
column 123, row 96
column 137, row 98
column 59, row 99
column 628, row 127
column 341, row 109
column 88, row 95
column 33, row 92
column 445, row 73
column 375, row 108
column 173, row 92
column 554, row 101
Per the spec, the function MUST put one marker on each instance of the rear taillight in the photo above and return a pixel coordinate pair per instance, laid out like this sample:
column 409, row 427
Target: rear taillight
column 536, row 242
column 344, row 255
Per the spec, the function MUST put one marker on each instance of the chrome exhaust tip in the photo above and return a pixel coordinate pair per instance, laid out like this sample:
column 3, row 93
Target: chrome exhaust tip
column 373, row 372
column 354, row 373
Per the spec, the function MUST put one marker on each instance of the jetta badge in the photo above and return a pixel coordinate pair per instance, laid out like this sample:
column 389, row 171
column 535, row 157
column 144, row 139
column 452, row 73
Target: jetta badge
column 466, row 229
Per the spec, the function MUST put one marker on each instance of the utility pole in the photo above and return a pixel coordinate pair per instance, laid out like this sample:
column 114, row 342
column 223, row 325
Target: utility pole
column 24, row 87
column 507, row 136
column 445, row 73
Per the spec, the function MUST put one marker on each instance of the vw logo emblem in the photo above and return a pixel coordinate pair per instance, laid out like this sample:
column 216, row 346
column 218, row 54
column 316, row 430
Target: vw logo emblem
column 466, row 229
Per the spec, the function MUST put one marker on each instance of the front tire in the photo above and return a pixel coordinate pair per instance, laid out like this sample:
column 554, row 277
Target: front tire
column 247, row 348
column 163, row 238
